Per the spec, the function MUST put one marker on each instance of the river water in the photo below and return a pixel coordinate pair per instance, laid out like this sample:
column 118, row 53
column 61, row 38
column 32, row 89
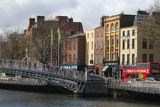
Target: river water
column 29, row 99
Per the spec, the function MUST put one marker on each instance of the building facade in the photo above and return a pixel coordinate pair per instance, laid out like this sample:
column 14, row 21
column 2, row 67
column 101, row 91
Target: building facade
column 73, row 51
column 98, row 50
column 39, row 30
column 136, row 47
column 129, row 45
column 90, row 35
column 142, row 16
column 112, row 31
column 99, row 47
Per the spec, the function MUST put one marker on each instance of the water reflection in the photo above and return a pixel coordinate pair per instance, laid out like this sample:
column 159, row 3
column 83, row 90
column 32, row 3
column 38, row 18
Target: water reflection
column 26, row 99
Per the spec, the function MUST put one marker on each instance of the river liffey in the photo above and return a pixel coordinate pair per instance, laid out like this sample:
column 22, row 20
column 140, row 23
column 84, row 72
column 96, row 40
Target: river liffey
column 29, row 99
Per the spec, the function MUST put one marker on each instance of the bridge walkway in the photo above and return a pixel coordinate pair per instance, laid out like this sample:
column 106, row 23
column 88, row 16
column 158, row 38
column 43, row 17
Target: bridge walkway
column 72, row 80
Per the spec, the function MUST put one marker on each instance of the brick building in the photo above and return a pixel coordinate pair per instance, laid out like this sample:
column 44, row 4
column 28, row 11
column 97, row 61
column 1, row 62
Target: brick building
column 41, row 28
column 99, row 46
column 112, row 29
column 73, row 51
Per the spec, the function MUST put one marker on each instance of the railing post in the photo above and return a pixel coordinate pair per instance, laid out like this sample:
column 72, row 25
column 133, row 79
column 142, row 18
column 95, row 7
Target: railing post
column 85, row 74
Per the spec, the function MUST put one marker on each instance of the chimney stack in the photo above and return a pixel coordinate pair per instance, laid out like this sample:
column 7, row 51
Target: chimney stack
column 31, row 21
column 40, row 20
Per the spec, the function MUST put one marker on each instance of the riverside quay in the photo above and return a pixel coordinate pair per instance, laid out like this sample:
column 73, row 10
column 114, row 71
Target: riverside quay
column 116, row 81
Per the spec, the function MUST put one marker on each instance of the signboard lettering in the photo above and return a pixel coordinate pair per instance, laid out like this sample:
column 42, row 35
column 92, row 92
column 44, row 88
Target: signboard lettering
column 137, row 71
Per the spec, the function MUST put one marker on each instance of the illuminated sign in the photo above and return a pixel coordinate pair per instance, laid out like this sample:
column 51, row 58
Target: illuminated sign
column 137, row 71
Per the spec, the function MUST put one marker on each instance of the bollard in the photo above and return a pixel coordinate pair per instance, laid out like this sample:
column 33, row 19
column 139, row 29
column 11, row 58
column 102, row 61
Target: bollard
column 85, row 74
column 114, row 94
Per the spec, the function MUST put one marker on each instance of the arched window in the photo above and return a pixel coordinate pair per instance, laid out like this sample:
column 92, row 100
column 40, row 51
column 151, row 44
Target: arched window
column 107, row 28
column 117, row 26
column 112, row 27
column 123, row 44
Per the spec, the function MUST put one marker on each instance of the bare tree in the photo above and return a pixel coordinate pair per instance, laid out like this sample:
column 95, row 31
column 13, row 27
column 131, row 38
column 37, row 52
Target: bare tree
column 41, row 45
column 151, row 27
column 11, row 45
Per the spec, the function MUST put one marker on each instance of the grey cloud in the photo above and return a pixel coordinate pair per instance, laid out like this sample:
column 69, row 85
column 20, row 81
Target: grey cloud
column 16, row 12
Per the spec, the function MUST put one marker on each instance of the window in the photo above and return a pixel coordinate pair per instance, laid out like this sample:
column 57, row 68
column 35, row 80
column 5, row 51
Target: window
column 117, row 42
column 112, row 41
column 123, row 44
column 128, row 44
column 144, row 57
column 87, row 58
column 133, row 32
column 112, row 56
column 151, row 44
column 117, row 54
column 74, row 58
column 123, row 58
column 107, row 56
column 70, row 58
column 133, row 58
column 123, row 33
column 128, row 59
column 70, row 45
column 102, row 44
column 96, row 59
column 133, row 43
column 144, row 44
column 91, row 56
column 87, row 45
column 92, row 35
column 91, row 61
column 101, row 59
column 97, row 45
column 97, row 33
column 102, row 33
column 112, row 27
column 107, row 28
column 74, row 46
column 128, row 33
column 107, row 42
column 116, row 26
column 151, row 58
column 92, row 45
column 88, row 35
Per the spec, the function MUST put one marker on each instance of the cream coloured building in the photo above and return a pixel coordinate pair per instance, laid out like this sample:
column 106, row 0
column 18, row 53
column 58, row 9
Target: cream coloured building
column 128, row 49
column 136, row 47
column 90, row 47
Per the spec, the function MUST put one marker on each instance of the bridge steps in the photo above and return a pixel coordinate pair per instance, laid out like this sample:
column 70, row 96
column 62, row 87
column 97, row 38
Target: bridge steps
column 95, row 85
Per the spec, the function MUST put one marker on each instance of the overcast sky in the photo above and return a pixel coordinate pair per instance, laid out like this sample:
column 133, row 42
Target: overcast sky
column 15, row 13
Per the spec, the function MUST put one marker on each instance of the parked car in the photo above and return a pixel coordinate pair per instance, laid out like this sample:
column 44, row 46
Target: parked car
column 150, row 79
column 157, row 78
column 134, row 79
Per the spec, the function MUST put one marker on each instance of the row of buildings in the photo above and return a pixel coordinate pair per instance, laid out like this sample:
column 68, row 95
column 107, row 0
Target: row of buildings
column 117, row 37
column 120, row 37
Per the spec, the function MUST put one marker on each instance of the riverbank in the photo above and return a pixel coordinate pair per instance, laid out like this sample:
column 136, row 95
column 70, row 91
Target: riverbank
column 31, row 99
column 34, row 88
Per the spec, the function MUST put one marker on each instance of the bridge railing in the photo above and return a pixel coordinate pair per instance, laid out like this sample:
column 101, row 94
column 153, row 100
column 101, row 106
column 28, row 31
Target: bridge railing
column 137, row 86
column 39, row 67
column 20, row 64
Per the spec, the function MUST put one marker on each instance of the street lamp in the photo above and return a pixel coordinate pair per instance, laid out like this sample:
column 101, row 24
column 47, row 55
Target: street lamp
column 26, row 57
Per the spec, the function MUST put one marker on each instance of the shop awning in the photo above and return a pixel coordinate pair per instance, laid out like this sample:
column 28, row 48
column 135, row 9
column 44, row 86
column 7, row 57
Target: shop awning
column 104, row 68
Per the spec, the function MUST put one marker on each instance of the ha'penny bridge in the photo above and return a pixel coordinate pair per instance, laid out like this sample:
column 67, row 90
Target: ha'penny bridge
column 73, row 81
column 29, row 73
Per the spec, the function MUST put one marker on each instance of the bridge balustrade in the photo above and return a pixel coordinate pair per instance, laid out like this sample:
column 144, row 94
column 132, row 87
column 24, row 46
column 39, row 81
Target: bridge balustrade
column 39, row 67
column 152, row 87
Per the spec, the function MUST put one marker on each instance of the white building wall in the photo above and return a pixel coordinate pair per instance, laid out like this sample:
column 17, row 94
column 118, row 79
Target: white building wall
column 90, row 34
column 124, row 51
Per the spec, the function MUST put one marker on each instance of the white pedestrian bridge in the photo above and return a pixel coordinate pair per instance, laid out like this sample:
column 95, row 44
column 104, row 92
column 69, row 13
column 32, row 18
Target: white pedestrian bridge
column 71, row 80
